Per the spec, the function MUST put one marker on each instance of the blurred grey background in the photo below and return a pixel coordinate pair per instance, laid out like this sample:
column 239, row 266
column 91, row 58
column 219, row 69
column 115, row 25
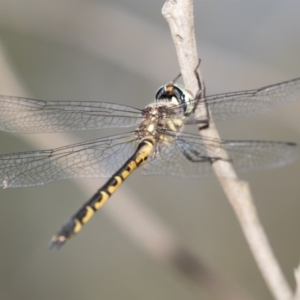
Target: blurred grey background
column 121, row 51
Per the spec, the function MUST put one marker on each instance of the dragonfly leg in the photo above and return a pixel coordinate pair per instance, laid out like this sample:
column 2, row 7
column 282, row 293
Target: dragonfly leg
column 204, row 126
column 176, row 78
column 195, row 156
column 198, row 97
column 196, row 73
column 200, row 159
column 200, row 92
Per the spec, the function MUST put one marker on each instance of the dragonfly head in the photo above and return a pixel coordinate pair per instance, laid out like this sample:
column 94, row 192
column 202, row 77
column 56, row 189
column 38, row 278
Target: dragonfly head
column 172, row 93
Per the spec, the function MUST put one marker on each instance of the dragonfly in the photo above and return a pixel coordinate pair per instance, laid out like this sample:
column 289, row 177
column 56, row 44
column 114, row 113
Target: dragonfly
column 158, row 141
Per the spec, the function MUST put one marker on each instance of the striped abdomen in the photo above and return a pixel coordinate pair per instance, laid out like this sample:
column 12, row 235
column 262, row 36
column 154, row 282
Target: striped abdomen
column 84, row 214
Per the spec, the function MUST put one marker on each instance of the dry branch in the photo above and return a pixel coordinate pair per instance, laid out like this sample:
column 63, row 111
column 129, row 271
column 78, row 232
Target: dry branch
column 179, row 15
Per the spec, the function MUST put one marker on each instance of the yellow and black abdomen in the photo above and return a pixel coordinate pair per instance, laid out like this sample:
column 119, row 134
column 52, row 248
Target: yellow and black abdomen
column 84, row 214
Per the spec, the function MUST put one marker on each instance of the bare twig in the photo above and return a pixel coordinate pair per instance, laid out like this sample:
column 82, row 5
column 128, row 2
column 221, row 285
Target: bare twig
column 297, row 278
column 179, row 15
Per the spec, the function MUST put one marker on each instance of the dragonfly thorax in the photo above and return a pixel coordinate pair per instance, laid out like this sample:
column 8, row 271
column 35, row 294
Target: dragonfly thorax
column 172, row 93
column 159, row 121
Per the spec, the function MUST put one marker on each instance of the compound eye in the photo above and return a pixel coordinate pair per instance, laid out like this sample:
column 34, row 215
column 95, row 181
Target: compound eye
column 166, row 93
column 160, row 93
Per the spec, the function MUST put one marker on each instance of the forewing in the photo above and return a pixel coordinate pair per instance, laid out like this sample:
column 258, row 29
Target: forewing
column 25, row 115
column 187, row 156
column 93, row 159
column 244, row 103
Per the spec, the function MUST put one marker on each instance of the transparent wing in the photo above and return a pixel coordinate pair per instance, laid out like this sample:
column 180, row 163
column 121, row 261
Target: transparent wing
column 236, row 104
column 25, row 115
column 97, row 158
column 187, row 156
